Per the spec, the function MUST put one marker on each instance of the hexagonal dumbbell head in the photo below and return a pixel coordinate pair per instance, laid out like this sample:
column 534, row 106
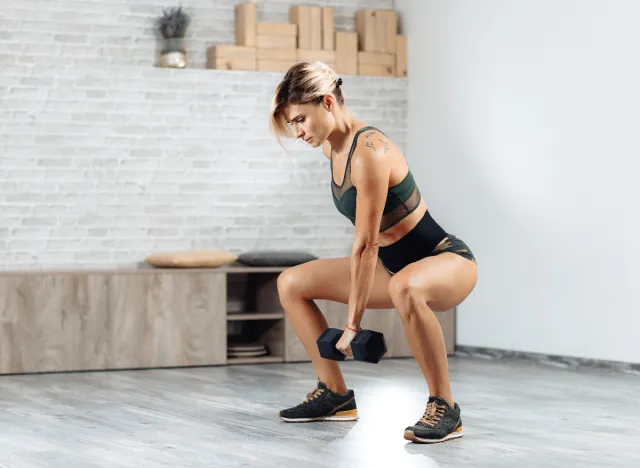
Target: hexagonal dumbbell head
column 368, row 346
column 327, row 344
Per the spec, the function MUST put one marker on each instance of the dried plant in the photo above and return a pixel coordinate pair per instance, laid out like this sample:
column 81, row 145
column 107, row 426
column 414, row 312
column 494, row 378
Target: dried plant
column 173, row 23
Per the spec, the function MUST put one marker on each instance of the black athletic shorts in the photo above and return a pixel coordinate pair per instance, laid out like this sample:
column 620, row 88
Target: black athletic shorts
column 419, row 244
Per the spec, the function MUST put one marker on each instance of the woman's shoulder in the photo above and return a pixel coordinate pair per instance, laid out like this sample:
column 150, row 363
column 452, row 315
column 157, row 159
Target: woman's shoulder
column 373, row 141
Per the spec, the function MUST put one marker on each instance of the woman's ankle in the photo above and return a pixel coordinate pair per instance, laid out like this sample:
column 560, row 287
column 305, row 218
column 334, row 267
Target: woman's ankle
column 335, row 386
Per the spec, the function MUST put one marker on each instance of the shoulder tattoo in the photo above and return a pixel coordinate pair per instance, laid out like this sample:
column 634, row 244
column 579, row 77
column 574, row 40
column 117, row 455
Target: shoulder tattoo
column 370, row 141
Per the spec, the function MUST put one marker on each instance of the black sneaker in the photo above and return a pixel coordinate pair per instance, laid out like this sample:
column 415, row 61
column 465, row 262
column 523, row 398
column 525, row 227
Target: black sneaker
column 323, row 405
column 440, row 422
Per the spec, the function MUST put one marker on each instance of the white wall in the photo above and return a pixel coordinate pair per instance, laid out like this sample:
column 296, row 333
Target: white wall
column 105, row 159
column 523, row 133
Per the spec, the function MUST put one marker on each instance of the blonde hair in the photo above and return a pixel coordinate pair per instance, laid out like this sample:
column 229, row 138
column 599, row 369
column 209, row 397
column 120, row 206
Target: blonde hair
column 305, row 82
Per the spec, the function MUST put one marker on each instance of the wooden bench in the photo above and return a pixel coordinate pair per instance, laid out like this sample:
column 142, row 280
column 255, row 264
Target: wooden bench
column 75, row 320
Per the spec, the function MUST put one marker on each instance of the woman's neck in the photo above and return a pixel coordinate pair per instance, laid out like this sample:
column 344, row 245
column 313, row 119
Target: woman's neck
column 340, row 138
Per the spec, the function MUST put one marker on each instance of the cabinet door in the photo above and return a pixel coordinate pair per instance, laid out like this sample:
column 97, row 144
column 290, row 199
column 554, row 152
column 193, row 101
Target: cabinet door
column 166, row 319
column 52, row 322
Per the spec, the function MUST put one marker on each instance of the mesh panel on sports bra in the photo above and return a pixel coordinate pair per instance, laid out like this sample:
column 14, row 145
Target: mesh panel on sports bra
column 401, row 211
column 346, row 183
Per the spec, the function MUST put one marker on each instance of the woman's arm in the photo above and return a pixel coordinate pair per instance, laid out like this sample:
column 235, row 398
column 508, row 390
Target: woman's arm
column 370, row 171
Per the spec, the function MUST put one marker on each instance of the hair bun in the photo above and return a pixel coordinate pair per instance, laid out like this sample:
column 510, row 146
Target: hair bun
column 339, row 83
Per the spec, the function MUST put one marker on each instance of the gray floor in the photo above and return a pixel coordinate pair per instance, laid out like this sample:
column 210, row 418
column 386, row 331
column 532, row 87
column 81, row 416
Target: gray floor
column 516, row 414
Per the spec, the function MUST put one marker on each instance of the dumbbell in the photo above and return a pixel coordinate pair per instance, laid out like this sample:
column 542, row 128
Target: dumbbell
column 367, row 345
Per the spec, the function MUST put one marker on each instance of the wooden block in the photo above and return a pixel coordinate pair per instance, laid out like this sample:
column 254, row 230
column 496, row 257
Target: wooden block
column 327, row 56
column 386, row 31
column 316, row 28
column 328, row 28
column 276, row 42
column 376, row 70
column 346, row 53
column 274, row 65
column 309, row 20
column 377, row 30
column 246, row 24
column 365, row 26
column 376, row 64
column 401, row 55
column 376, row 58
column 220, row 51
column 232, row 64
column 287, row 55
column 231, row 57
column 276, row 29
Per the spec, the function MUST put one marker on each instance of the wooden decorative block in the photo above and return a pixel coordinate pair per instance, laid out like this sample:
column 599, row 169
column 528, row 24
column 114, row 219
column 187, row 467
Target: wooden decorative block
column 285, row 55
column 386, row 31
column 277, row 29
column 327, row 56
column 246, row 24
column 346, row 53
column 300, row 15
column 376, row 64
column 377, row 30
column 328, row 28
column 376, row 70
column 316, row 28
column 376, row 58
column 401, row 55
column 274, row 65
column 365, row 27
column 309, row 22
column 276, row 42
column 231, row 57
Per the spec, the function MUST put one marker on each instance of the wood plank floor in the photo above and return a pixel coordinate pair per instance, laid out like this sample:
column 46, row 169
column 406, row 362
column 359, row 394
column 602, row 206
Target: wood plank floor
column 516, row 414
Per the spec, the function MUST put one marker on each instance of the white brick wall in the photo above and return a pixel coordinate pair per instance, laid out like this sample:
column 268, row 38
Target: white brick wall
column 120, row 32
column 103, row 164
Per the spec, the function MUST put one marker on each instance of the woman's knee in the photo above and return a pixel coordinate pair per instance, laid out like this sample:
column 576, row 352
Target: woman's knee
column 288, row 283
column 406, row 290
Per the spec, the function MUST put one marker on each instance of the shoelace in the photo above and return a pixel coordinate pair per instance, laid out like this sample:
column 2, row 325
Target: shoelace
column 314, row 394
column 432, row 414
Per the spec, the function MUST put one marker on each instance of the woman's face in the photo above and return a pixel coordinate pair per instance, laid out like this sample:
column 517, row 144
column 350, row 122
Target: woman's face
column 312, row 123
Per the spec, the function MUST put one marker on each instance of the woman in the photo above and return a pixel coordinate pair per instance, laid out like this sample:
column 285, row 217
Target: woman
column 401, row 258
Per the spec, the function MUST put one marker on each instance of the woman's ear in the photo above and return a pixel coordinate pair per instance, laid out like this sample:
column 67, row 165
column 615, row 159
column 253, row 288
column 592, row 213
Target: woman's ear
column 329, row 101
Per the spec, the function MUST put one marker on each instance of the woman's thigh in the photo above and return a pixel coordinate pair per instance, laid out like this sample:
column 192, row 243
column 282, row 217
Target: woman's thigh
column 443, row 280
column 330, row 279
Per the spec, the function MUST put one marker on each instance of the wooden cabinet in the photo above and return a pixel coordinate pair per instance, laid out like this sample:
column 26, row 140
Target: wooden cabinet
column 128, row 319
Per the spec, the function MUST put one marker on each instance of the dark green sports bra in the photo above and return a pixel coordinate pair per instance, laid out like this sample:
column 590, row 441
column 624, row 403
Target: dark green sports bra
column 402, row 199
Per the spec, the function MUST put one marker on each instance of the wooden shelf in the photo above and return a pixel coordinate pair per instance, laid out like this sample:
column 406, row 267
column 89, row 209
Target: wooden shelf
column 255, row 360
column 255, row 316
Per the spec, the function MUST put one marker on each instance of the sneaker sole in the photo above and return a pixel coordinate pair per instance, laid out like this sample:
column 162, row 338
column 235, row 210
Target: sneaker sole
column 351, row 415
column 410, row 435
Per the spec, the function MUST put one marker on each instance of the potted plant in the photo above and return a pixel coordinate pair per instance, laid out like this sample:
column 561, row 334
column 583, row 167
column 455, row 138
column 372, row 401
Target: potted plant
column 172, row 27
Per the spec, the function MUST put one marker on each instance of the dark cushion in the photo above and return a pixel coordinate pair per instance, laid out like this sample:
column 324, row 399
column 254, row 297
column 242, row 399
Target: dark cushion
column 275, row 258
